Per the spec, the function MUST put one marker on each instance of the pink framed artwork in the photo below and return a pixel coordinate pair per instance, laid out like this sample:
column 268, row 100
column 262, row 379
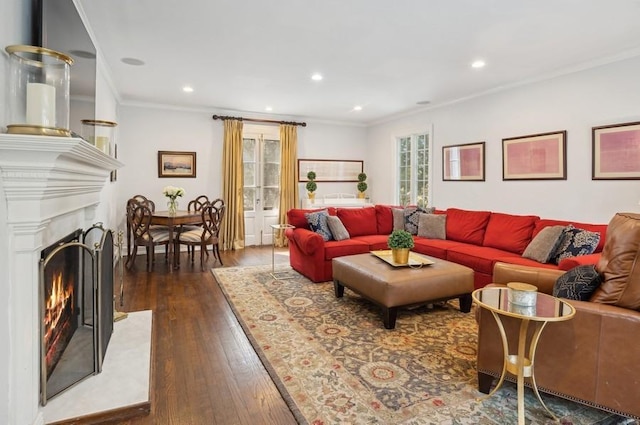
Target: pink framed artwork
column 463, row 162
column 616, row 152
column 535, row 157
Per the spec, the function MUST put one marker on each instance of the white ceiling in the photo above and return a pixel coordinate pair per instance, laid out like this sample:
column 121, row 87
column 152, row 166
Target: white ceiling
column 242, row 55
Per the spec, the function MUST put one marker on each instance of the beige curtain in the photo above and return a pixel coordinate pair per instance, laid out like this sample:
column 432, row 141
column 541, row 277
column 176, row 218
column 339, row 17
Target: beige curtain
column 232, row 229
column 288, row 176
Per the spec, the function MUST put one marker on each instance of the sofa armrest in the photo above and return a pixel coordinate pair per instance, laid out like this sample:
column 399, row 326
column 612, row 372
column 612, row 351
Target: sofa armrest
column 544, row 279
column 307, row 241
column 580, row 260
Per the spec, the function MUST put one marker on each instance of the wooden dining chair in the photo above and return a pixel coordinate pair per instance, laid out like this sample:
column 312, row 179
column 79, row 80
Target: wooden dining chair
column 136, row 199
column 195, row 205
column 144, row 234
column 206, row 235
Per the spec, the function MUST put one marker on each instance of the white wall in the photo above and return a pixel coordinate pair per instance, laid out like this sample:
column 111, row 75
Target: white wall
column 145, row 130
column 577, row 102
column 14, row 29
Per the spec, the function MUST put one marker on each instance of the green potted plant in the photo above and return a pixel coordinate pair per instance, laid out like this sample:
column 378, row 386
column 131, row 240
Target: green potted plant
column 311, row 184
column 400, row 242
column 362, row 185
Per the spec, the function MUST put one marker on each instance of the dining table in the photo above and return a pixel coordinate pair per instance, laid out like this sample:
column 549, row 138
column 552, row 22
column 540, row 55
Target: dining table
column 174, row 220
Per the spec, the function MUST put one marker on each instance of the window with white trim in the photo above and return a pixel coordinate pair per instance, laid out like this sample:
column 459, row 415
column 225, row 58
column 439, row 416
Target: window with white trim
column 413, row 168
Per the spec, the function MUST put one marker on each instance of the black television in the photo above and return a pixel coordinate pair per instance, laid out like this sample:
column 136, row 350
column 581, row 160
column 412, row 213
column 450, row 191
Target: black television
column 57, row 25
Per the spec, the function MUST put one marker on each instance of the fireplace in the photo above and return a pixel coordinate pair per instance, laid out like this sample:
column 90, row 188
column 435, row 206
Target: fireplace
column 49, row 187
column 76, row 293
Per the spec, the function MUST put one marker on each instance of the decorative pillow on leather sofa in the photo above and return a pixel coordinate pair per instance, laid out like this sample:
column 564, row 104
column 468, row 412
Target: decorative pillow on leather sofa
column 432, row 226
column 338, row 231
column 578, row 283
column 544, row 245
column 576, row 242
column 318, row 223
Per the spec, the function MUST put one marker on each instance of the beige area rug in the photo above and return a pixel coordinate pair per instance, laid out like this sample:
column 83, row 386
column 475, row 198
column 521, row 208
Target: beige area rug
column 334, row 362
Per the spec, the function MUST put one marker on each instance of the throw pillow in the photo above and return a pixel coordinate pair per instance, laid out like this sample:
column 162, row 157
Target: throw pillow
column 398, row 218
column 432, row 226
column 412, row 218
column 576, row 242
column 318, row 223
column 545, row 244
column 338, row 231
column 578, row 283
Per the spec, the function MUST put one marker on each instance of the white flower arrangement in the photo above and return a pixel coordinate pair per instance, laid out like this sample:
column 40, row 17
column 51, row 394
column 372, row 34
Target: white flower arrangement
column 172, row 192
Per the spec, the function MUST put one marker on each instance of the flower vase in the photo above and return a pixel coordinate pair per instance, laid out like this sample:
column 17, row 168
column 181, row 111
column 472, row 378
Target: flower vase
column 173, row 206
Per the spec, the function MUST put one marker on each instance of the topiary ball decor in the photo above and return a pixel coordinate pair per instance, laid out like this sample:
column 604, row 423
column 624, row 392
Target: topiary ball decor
column 362, row 186
column 311, row 184
column 400, row 242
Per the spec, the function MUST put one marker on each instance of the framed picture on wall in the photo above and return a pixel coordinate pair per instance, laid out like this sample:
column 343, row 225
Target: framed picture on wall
column 176, row 164
column 535, row 157
column 463, row 162
column 616, row 152
column 330, row 170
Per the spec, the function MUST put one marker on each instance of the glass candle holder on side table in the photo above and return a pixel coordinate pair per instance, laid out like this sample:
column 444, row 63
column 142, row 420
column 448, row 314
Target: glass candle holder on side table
column 99, row 133
column 38, row 88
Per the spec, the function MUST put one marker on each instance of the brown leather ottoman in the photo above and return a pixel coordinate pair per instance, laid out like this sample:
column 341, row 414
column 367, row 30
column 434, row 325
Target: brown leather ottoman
column 393, row 287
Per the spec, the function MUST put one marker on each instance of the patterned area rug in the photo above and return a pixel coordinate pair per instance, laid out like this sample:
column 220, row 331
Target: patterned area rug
column 334, row 362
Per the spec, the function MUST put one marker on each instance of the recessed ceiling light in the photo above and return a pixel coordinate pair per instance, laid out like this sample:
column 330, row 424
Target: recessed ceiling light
column 423, row 102
column 132, row 61
column 316, row 77
column 357, row 108
column 478, row 64
column 187, row 89
column 268, row 108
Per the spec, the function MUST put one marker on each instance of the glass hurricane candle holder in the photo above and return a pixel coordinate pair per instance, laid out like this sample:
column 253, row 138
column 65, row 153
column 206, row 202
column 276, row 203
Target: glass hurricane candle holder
column 38, row 91
column 100, row 134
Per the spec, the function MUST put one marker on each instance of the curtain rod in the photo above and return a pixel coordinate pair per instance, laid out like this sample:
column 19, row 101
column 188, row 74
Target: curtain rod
column 223, row 117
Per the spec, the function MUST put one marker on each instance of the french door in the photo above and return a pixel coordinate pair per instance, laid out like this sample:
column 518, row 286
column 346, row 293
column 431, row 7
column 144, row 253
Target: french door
column 261, row 159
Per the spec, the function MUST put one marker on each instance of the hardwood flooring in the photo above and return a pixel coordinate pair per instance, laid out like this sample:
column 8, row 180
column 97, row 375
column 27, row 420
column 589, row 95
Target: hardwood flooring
column 204, row 368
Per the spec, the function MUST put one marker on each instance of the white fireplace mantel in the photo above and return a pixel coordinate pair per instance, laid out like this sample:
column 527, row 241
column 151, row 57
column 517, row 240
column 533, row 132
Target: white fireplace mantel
column 49, row 187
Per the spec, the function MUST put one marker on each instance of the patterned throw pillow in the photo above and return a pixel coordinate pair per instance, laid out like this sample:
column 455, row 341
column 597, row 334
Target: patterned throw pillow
column 578, row 283
column 543, row 247
column 412, row 218
column 318, row 223
column 338, row 231
column 576, row 242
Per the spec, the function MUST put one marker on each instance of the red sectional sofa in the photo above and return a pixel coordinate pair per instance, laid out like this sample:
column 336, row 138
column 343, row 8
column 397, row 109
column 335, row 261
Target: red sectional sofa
column 476, row 239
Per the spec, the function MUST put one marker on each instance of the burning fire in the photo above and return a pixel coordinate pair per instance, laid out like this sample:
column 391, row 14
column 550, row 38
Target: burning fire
column 56, row 306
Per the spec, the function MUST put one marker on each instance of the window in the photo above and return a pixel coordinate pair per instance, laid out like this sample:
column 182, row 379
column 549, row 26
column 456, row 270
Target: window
column 413, row 167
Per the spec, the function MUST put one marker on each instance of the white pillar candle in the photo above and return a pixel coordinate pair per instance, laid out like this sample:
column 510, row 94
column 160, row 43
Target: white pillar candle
column 41, row 104
column 102, row 143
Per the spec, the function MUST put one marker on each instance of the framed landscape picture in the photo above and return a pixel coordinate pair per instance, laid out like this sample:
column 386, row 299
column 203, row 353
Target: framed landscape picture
column 176, row 164
column 330, row 170
column 463, row 162
column 616, row 152
column 535, row 157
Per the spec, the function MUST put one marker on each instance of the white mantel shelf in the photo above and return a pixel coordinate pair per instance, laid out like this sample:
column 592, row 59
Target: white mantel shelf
column 45, row 176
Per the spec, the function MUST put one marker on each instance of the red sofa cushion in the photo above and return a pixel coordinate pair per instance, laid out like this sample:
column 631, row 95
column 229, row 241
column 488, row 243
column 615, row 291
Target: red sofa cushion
column 509, row 232
column 602, row 228
column 333, row 249
column 522, row 261
column 374, row 241
column 467, row 226
column 479, row 258
column 434, row 247
column 359, row 221
column 295, row 216
column 384, row 219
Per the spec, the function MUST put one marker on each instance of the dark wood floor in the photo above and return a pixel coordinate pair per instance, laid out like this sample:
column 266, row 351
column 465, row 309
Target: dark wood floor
column 204, row 368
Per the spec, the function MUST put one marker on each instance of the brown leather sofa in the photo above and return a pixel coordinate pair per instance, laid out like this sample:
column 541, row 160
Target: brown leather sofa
column 593, row 358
